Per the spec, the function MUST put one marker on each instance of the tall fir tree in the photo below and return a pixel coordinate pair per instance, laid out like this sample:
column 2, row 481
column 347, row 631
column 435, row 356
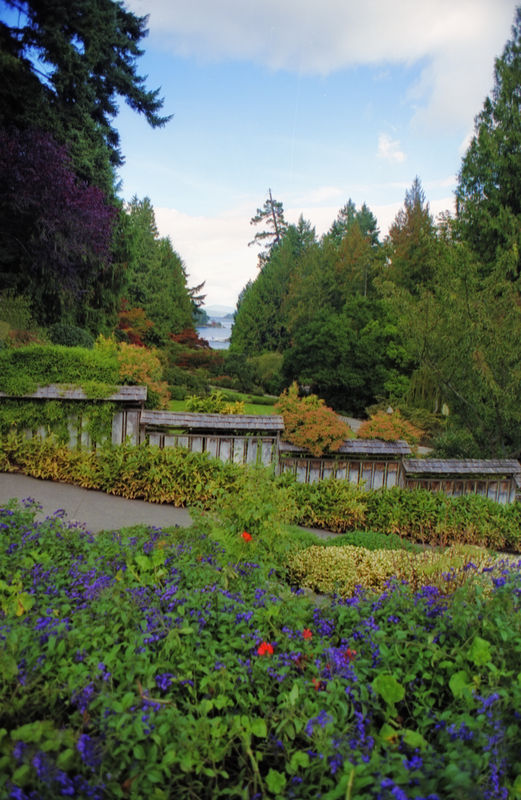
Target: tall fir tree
column 411, row 243
column 489, row 186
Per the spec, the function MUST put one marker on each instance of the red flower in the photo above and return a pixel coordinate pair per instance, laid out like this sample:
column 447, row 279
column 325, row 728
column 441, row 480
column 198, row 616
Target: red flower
column 350, row 654
column 319, row 685
column 246, row 536
column 306, row 633
column 265, row 649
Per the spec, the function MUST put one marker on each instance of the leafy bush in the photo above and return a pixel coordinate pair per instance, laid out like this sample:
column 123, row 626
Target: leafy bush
column 268, row 371
column 172, row 475
column 309, row 423
column 455, row 443
column 139, row 663
column 214, row 403
column 62, row 419
column 437, row 519
column 141, row 366
column 389, row 428
column 70, row 336
column 341, row 569
column 331, row 504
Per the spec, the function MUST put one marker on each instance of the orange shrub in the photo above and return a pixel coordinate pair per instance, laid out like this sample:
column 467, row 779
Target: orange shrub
column 141, row 366
column 389, row 428
column 309, row 423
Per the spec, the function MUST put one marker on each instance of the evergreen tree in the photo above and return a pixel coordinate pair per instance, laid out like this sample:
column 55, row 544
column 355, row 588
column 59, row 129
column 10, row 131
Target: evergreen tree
column 348, row 216
column 260, row 322
column 411, row 244
column 271, row 216
column 155, row 277
column 63, row 66
column 489, row 188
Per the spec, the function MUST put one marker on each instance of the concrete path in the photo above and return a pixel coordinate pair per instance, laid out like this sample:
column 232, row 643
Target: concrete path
column 99, row 511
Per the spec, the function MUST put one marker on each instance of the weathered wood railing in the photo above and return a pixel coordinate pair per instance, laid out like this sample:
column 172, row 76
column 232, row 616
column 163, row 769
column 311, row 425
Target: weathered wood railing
column 238, row 438
column 256, row 439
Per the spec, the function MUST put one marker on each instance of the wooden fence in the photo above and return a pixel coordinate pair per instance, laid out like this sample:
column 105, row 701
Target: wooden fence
column 256, row 439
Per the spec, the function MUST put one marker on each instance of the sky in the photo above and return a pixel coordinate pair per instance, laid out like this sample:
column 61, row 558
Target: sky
column 318, row 100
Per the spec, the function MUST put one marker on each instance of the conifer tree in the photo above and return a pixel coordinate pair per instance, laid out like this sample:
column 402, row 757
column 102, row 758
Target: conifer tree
column 489, row 188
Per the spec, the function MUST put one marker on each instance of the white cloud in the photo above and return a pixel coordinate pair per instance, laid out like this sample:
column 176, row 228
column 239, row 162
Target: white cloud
column 389, row 149
column 214, row 249
column 457, row 40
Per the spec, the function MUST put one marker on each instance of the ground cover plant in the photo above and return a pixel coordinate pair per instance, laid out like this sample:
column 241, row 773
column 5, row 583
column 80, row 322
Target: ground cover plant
column 173, row 664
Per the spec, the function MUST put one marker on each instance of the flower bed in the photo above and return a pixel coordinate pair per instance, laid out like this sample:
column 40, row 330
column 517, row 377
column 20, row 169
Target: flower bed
column 144, row 664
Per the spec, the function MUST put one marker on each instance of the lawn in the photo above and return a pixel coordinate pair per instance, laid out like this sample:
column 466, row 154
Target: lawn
column 251, row 404
column 180, row 663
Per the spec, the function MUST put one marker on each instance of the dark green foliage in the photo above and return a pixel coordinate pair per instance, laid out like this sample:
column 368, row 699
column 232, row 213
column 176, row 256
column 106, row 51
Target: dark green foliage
column 348, row 358
column 155, row 277
column 239, row 368
column 271, row 217
column 66, row 65
column 455, row 443
column 411, row 244
column 348, row 216
column 70, row 336
column 488, row 196
column 260, row 322
column 59, row 419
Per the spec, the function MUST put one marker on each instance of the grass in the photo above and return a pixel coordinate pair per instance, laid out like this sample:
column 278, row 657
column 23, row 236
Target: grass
column 250, row 407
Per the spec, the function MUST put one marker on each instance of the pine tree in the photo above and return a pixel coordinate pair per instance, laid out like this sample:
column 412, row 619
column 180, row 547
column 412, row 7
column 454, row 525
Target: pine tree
column 271, row 215
column 489, row 189
column 411, row 243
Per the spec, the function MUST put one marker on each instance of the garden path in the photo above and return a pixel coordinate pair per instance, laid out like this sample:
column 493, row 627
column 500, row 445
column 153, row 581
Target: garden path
column 97, row 510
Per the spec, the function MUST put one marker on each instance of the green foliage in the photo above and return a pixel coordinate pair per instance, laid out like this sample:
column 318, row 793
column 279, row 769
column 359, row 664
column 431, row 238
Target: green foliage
column 70, row 336
column 155, row 277
column 268, row 371
column 91, row 51
column 455, row 443
column 260, row 323
column 172, row 475
column 16, row 311
column 61, row 419
column 23, row 369
column 271, row 216
column 412, row 243
column 436, row 519
column 309, row 423
column 488, row 208
column 164, row 670
column 331, row 504
column 349, row 357
column 465, row 333
column 372, row 540
column 215, row 403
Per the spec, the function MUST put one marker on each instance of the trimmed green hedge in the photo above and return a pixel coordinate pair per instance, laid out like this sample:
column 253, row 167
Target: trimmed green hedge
column 23, row 369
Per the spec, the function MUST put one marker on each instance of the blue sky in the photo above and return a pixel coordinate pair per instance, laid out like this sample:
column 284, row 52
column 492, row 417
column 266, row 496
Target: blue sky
column 319, row 100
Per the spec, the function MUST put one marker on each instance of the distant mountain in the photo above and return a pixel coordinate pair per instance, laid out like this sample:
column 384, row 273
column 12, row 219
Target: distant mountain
column 218, row 311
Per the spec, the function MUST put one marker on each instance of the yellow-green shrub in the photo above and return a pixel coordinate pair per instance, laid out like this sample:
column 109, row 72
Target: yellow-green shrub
column 341, row 569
